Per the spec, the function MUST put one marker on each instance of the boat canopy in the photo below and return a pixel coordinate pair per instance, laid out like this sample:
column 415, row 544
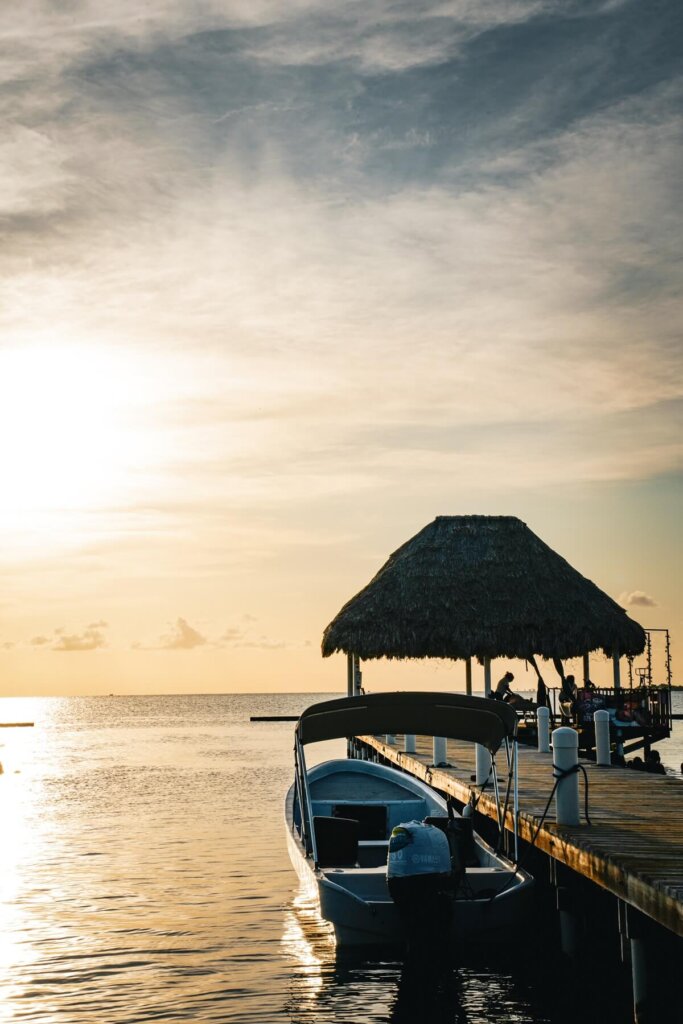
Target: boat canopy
column 455, row 716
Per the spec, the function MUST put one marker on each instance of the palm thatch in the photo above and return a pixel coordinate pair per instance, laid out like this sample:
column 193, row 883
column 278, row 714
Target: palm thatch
column 480, row 586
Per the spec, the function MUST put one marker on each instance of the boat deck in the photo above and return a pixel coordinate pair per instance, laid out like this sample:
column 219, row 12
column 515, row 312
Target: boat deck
column 633, row 846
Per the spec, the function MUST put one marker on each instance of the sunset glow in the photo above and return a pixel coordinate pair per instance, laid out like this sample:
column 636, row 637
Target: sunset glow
column 280, row 284
column 65, row 408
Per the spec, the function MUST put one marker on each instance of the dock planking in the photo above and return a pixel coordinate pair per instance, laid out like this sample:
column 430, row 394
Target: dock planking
column 634, row 846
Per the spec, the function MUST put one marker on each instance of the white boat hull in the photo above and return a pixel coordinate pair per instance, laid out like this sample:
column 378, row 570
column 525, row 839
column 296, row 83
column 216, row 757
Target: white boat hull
column 356, row 901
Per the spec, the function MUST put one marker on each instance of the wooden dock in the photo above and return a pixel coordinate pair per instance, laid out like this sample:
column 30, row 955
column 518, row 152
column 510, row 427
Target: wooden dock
column 633, row 848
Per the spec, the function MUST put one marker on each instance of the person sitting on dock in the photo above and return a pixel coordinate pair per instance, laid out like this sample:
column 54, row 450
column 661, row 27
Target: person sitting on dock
column 653, row 763
column 568, row 695
column 502, row 690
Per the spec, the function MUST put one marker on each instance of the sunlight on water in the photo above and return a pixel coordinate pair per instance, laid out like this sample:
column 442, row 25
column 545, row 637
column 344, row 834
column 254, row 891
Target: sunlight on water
column 308, row 941
column 144, row 876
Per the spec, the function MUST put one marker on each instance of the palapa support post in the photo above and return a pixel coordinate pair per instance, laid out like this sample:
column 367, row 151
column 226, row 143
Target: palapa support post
column 483, row 758
column 349, row 693
column 586, row 668
column 617, row 669
column 357, row 676
column 468, row 676
column 617, row 686
column 603, row 755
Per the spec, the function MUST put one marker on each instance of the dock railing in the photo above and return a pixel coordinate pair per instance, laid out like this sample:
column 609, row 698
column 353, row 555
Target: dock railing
column 647, row 706
column 638, row 715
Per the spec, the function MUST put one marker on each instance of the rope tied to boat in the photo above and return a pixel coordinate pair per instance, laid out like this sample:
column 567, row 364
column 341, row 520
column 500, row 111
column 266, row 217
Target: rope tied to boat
column 558, row 774
column 563, row 773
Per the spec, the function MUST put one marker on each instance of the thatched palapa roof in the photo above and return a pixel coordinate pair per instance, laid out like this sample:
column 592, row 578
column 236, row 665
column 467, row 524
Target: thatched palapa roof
column 480, row 586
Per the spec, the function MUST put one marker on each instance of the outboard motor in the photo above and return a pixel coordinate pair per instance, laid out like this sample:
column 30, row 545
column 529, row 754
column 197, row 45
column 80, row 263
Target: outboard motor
column 460, row 835
column 419, row 879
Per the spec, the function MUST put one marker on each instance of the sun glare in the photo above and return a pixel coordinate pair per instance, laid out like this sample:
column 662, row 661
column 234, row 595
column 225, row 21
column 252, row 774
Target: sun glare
column 69, row 436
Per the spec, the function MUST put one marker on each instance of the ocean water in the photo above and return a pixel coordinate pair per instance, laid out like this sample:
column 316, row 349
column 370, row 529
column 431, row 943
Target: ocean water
column 144, row 877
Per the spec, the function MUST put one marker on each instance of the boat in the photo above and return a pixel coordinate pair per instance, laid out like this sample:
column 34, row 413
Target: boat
column 340, row 816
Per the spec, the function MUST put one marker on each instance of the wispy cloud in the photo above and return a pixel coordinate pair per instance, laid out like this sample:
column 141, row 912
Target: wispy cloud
column 182, row 637
column 637, row 598
column 90, row 639
column 344, row 254
column 245, row 635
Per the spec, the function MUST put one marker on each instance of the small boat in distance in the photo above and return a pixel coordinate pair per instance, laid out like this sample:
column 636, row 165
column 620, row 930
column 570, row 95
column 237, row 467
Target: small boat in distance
column 340, row 816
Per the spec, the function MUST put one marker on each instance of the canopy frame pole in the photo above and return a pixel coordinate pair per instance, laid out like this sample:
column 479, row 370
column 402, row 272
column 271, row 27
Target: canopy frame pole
column 487, row 677
column 307, row 826
column 496, row 791
column 515, row 795
column 483, row 756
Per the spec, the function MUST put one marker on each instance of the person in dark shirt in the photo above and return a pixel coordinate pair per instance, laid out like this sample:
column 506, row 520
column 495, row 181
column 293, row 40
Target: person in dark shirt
column 568, row 695
column 653, row 763
column 502, row 690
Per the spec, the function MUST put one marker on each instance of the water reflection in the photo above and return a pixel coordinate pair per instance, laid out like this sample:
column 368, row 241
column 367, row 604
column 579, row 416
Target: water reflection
column 309, row 942
column 328, row 984
column 367, row 986
column 144, row 877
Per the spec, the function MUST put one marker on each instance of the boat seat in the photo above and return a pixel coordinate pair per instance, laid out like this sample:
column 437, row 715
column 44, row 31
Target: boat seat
column 336, row 840
column 371, row 818
column 372, row 852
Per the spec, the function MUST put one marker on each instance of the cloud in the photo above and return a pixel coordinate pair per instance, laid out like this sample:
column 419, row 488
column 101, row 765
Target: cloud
column 90, row 639
column 182, row 638
column 264, row 643
column 39, row 641
column 232, row 636
column 243, row 636
column 185, row 637
column 637, row 598
column 374, row 246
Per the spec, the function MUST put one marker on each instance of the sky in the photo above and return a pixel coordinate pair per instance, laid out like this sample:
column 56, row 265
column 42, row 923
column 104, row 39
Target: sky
column 283, row 280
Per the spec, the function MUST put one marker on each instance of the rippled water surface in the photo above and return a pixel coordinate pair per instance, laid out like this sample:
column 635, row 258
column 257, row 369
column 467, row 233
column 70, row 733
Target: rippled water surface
column 144, row 876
